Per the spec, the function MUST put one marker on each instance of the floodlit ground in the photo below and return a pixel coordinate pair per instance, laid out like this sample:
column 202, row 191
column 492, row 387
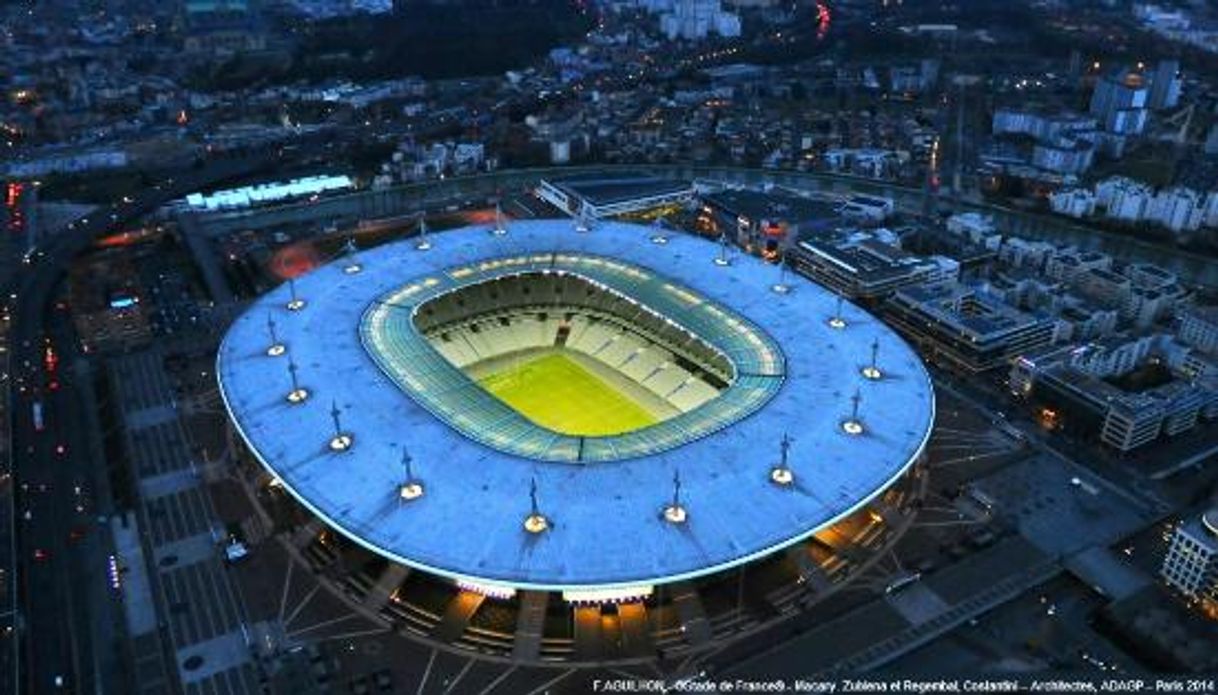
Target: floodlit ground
column 557, row 393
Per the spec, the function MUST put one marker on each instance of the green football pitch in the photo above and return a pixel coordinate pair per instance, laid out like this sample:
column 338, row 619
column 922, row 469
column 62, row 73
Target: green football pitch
column 557, row 393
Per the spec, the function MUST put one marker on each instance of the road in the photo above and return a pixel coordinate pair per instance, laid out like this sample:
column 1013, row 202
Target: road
column 60, row 551
column 1191, row 267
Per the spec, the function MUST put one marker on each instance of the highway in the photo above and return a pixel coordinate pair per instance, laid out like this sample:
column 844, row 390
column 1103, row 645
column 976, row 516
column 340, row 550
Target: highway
column 64, row 642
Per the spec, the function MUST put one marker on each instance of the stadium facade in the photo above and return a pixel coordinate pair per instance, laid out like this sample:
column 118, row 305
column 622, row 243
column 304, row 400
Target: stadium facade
column 777, row 436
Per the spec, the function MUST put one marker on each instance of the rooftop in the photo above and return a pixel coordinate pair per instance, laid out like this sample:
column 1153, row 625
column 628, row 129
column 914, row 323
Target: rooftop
column 973, row 313
column 599, row 190
column 606, row 528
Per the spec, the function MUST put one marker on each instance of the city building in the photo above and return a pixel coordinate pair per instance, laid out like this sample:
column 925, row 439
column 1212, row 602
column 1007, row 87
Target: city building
column 861, row 266
column 871, row 162
column 1199, row 328
column 265, row 193
column 769, row 221
column 1123, row 199
column 1065, row 143
column 1065, row 264
column 1125, row 392
column 1080, row 321
column 1120, row 101
column 597, row 197
column 977, row 228
column 221, row 28
column 1064, row 155
column 967, row 328
column 867, row 209
column 1072, row 202
column 1110, row 289
column 1025, row 253
column 1153, row 295
column 1191, row 563
column 1038, row 124
column 1165, row 86
column 1177, row 208
column 696, row 19
column 64, row 162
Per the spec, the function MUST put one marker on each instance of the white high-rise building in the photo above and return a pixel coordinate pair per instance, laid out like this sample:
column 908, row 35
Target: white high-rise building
column 1124, row 199
column 696, row 19
column 1191, row 564
column 1165, row 85
column 1210, row 217
column 1119, row 101
column 1178, row 208
column 1199, row 328
column 1072, row 202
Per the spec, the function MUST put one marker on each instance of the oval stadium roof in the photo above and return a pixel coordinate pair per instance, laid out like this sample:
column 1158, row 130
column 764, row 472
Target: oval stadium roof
column 607, row 529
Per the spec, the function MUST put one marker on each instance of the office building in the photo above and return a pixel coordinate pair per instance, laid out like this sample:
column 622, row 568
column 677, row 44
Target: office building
column 966, row 328
column 1199, row 328
column 1191, row 563
column 1120, row 102
column 863, row 267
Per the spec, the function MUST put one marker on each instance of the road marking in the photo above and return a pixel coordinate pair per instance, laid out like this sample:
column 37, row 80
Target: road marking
column 966, row 459
column 459, row 676
column 552, row 681
column 324, row 623
column 498, row 679
column 287, row 583
column 300, row 606
column 426, row 672
column 357, row 633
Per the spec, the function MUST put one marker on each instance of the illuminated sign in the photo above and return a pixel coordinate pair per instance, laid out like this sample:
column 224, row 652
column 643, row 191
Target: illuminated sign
column 623, row 595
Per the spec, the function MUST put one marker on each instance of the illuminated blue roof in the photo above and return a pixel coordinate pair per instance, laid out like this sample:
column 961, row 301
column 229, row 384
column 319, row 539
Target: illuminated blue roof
column 606, row 524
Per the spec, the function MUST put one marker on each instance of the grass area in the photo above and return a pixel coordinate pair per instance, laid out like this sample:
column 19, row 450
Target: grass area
column 557, row 393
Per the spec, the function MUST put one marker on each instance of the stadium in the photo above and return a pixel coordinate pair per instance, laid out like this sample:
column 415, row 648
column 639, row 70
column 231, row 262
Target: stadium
column 556, row 442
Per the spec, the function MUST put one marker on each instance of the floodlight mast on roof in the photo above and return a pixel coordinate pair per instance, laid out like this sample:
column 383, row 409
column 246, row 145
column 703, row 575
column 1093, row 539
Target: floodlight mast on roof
column 582, row 221
column 297, row 394
column 535, row 522
column 675, row 512
column 837, row 321
column 276, row 348
column 781, row 287
column 412, row 487
column 500, row 227
column 658, row 237
column 782, row 473
column 722, row 260
column 294, row 303
column 341, row 441
column 854, row 425
column 872, row 371
column 423, row 243
column 349, row 250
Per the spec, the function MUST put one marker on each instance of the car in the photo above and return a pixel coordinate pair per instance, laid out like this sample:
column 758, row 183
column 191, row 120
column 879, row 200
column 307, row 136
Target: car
column 41, row 555
column 235, row 551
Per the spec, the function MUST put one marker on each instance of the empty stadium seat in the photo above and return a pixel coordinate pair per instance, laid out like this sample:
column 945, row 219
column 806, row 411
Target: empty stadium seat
column 631, row 355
